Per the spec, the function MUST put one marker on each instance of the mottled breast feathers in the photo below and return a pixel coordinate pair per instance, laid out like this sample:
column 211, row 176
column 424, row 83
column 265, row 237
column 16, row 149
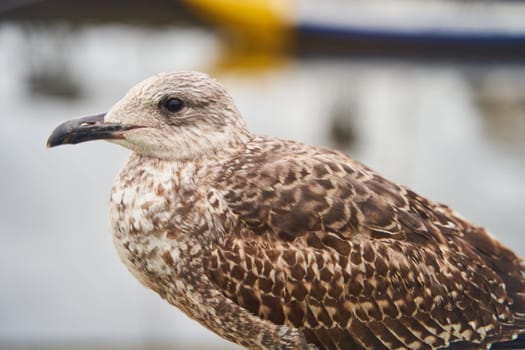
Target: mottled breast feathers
column 357, row 262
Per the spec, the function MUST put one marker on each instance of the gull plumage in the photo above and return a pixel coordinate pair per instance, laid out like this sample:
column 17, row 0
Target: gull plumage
column 274, row 244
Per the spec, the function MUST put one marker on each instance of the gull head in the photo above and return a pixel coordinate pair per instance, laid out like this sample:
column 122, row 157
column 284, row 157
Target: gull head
column 177, row 116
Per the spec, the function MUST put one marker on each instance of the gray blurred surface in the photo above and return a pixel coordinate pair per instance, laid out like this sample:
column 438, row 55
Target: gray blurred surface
column 446, row 130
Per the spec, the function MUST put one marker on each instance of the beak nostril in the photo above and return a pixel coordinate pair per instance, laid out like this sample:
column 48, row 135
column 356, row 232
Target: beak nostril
column 89, row 123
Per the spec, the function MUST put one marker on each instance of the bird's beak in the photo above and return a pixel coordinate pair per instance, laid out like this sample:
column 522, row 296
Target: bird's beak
column 87, row 129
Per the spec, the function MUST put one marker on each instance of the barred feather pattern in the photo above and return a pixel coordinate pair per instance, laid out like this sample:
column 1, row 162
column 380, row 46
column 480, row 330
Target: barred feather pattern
column 355, row 261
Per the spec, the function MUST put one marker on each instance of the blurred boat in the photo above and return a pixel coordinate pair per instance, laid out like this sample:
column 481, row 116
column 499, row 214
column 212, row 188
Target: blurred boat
column 434, row 29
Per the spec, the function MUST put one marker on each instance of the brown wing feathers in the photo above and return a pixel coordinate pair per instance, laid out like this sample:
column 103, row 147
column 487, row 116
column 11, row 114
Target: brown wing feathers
column 355, row 261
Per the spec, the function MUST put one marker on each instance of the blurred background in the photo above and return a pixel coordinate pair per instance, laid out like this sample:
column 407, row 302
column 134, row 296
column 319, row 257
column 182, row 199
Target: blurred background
column 429, row 93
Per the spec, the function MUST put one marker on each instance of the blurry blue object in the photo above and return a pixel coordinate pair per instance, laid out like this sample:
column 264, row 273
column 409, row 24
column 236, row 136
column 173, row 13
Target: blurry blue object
column 440, row 29
column 324, row 39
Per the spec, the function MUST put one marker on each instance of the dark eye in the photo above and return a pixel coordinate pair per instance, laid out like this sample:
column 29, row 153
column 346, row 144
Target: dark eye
column 173, row 104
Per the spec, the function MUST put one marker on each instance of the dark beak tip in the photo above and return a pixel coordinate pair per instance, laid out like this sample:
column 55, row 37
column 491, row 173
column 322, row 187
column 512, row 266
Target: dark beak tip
column 52, row 139
column 51, row 142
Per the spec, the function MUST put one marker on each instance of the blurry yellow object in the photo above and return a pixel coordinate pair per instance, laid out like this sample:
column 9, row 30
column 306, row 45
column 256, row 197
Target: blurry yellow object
column 260, row 25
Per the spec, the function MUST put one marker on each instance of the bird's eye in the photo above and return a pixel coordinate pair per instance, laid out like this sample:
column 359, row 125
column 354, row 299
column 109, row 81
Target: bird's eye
column 173, row 104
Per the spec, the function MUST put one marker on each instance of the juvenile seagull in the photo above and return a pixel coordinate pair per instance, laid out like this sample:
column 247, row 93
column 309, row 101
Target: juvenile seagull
column 274, row 244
